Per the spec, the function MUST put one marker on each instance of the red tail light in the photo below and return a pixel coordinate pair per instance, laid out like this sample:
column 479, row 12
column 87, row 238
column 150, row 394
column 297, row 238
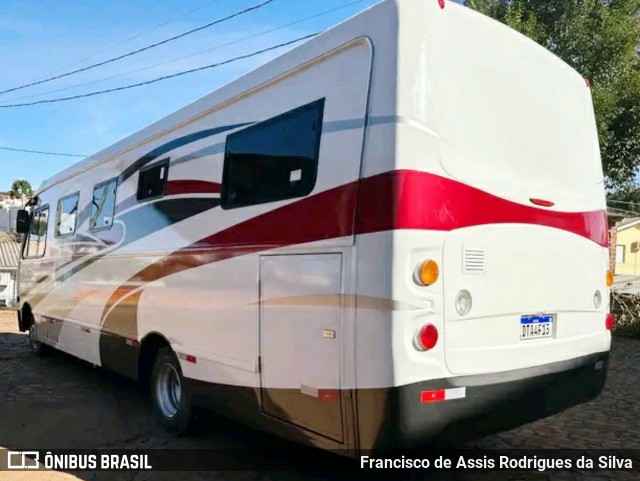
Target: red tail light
column 328, row 394
column 432, row 396
column 610, row 321
column 427, row 337
column 441, row 3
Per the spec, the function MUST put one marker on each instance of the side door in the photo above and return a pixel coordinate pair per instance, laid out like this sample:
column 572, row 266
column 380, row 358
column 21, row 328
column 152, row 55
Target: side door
column 300, row 303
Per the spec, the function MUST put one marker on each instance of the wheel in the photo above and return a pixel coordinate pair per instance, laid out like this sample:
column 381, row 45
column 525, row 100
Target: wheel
column 170, row 394
column 35, row 346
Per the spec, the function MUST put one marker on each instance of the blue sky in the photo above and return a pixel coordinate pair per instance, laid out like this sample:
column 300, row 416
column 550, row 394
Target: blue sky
column 38, row 39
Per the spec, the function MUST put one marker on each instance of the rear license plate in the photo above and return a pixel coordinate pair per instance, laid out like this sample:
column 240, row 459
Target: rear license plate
column 536, row 326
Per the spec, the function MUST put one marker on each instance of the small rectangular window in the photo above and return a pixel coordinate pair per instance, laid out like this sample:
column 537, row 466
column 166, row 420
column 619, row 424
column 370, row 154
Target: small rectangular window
column 67, row 215
column 274, row 160
column 619, row 254
column 103, row 205
column 152, row 180
column 36, row 242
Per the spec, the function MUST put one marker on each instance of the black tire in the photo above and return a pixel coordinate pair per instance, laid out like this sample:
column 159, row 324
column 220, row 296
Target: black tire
column 37, row 347
column 170, row 394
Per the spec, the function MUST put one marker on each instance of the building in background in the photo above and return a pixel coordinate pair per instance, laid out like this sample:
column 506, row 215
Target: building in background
column 614, row 217
column 627, row 247
column 8, row 216
column 9, row 258
column 7, row 200
column 9, row 207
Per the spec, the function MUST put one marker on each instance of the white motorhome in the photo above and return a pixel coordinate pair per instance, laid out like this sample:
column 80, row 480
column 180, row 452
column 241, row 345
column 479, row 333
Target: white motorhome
column 393, row 233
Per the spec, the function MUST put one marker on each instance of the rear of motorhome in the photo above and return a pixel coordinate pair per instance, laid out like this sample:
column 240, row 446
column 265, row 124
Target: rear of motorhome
column 394, row 233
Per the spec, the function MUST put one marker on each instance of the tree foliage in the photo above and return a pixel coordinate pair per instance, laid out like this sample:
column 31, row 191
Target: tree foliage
column 21, row 187
column 600, row 39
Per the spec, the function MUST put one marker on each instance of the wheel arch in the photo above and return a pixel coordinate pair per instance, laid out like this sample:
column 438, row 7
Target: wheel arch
column 149, row 347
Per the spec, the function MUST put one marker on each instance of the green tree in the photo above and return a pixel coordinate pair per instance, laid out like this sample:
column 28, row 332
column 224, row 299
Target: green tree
column 20, row 188
column 600, row 39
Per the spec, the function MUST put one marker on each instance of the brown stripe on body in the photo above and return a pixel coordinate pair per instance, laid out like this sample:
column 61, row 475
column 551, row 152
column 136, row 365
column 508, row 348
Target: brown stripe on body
column 62, row 307
column 81, row 251
column 35, row 299
column 146, row 220
column 35, row 284
column 51, row 278
column 65, row 305
column 119, row 327
column 267, row 231
column 337, row 300
column 123, row 318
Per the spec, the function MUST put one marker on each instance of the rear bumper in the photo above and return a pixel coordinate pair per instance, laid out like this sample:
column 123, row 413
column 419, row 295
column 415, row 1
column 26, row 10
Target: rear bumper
column 396, row 418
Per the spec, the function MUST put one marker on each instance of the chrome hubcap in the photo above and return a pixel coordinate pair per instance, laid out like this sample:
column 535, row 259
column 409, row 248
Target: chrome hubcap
column 168, row 390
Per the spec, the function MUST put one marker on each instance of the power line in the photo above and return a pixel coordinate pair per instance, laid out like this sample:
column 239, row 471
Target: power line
column 41, row 152
column 166, row 77
column 184, row 57
column 133, row 37
column 134, row 52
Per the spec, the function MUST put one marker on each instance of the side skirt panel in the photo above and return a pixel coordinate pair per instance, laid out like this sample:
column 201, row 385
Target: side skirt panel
column 119, row 356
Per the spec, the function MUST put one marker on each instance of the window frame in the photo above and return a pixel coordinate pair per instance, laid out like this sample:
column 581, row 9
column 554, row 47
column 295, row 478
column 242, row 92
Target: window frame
column 164, row 162
column 56, row 232
column 623, row 249
column 318, row 105
column 28, row 236
column 115, row 179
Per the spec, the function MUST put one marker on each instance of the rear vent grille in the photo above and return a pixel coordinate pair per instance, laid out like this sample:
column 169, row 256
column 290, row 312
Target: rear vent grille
column 473, row 260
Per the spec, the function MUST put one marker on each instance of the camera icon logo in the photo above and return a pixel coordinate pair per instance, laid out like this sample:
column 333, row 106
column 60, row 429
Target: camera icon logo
column 23, row 459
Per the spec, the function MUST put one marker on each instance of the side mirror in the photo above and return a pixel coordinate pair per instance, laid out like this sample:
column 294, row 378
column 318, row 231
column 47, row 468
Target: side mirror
column 22, row 221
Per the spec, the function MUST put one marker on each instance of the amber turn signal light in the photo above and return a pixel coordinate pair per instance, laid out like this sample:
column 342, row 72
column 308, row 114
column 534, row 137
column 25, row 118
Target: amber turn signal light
column 609, row 278
column 427, row 273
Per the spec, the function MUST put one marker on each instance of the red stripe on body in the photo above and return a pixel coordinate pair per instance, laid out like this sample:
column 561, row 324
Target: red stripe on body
column 187, row 186
column 325, row 215
column 395, row 200
column 176, row 187
column 427, row 201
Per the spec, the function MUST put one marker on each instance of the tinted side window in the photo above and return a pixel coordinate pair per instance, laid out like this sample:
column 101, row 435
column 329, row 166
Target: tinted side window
column 37, row 240
column 153, row 180
column 103, row 205
column 66, row 215
column 274, row 160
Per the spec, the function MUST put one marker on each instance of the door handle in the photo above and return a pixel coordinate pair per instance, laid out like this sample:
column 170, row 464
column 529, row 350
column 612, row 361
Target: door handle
column 329, row 334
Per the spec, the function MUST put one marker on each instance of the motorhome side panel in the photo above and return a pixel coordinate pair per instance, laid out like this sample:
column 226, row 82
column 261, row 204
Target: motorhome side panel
column 183, row 267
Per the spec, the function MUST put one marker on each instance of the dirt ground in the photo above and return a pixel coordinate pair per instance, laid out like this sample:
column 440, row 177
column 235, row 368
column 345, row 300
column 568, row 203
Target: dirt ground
column 59, row 402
